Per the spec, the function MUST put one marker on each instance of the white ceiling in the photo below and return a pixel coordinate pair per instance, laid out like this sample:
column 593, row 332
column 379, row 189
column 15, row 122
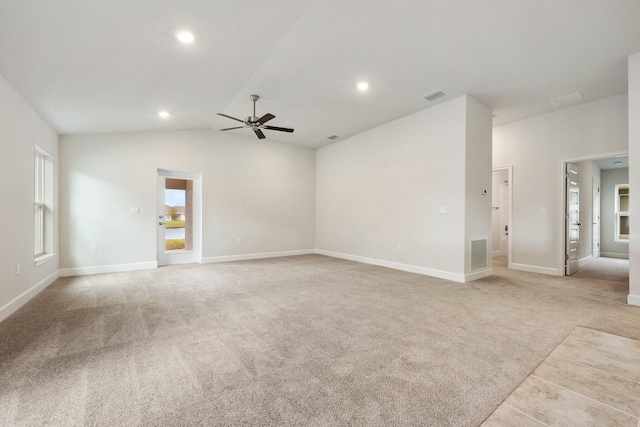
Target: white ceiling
column 110, row 66
column 619, row 162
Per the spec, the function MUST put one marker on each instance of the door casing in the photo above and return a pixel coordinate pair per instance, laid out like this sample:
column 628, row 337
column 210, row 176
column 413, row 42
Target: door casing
column 179, row 257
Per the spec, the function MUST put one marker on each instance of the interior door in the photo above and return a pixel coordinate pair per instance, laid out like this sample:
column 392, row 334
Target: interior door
column 596, row 218
column 572, row 226
column 177, row 218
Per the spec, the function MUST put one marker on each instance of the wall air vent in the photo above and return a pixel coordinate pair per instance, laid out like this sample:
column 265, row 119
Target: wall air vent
column 430, row 97
column 332, row 137
column 479, row 254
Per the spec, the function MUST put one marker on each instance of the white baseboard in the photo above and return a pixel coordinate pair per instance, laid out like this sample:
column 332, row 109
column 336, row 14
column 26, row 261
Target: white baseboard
column 633, row 299
column 100, row 269
column 585, row 260
column 536, row 269
column 614, row 255
column 455, row 277
column 469, row 277
column 9, row 308
column 246, row 257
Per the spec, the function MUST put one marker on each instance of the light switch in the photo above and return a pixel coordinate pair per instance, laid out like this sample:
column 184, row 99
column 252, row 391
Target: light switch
column 543, row 212
column 442, row 210
column 135, row 211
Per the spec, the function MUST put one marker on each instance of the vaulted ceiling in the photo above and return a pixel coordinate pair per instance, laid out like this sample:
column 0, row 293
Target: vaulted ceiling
column 111, row 66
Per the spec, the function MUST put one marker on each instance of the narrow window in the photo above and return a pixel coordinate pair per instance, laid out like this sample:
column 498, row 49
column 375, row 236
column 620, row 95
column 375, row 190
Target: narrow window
column 43, row 206
column 622, row 213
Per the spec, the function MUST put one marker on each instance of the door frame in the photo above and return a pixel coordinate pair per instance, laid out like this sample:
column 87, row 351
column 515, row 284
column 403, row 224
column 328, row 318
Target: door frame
column 194, row 256
column 595, row 254
column 509, row 169
column 561, row 211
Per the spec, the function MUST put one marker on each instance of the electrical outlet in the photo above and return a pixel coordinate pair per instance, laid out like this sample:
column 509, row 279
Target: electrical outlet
column 93, row 249
column 399, row 247
column 442, row 210
column 17, row 268
column 239, row 242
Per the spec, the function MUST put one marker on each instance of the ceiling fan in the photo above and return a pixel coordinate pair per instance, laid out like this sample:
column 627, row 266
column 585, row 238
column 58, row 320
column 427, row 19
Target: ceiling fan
column 256, row 123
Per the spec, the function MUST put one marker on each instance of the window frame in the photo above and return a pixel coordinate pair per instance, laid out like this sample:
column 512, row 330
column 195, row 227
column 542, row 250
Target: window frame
column 43, row 206
column 619, row 214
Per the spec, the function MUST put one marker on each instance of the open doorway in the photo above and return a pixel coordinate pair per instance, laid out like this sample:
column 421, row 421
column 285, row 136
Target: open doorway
column 178, row 214
column 602, row 214
column 501, row 208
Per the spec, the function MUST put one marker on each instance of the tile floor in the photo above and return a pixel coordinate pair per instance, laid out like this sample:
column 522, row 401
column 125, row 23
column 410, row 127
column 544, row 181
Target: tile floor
column 590, row 379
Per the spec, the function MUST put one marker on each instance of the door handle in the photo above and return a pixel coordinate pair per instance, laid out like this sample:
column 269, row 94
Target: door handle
column 162, row 223
column 506, row 227
column 577, row 223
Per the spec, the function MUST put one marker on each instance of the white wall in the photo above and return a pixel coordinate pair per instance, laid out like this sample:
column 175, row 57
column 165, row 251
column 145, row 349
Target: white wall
column 384, row 187
column 608, row 246
column 536, row 147
column 634, row 178
column 21, row 128
column 477, row 171
column 258, row 191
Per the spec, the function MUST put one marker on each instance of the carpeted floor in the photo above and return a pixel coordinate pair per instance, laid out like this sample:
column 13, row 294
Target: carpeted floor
column 306, row 340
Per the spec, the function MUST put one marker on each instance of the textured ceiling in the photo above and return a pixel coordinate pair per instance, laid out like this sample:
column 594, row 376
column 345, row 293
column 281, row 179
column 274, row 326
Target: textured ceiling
column 97, row 67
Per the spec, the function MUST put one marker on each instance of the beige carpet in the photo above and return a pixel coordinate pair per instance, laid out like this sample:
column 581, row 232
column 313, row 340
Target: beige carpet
column 306, row 340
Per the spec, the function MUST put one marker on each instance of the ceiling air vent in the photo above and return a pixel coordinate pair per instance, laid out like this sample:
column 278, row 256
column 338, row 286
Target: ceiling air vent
column 430, row 97
column 332, row 137
column 567, row 99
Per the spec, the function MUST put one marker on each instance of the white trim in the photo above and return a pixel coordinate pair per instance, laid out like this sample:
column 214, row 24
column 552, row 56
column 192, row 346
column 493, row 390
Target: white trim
column 100, row 269
column 585, row 260
column 614, row 255
column 12, row 306
column 469, row 277
column 455, row 277
column 246, row 257
column 633, row 299
column 43, row 259
column 179, row 174
column 537, row 269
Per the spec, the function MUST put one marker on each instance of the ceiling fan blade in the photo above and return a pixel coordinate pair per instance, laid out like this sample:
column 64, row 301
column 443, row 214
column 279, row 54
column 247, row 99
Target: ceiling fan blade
column 238, row 127
column 280, row 129
column 264, row 119
column 229, row 117
column 259, row 134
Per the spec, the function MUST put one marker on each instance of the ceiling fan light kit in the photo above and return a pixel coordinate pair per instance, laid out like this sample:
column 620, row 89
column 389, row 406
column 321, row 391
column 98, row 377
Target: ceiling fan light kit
column 256, row 123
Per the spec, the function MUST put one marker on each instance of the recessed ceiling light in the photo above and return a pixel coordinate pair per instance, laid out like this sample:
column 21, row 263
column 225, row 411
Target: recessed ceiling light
column 164, row 114
column 185, row 37
column 362, row 86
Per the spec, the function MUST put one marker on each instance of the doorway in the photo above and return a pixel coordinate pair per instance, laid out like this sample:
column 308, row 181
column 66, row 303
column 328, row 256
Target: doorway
column 597, row 178
column 501, row 214
column 178, row 217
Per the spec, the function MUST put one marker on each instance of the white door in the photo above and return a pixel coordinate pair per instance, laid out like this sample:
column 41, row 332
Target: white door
column 178, row 217
column 572, row 226
column 596, row 218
